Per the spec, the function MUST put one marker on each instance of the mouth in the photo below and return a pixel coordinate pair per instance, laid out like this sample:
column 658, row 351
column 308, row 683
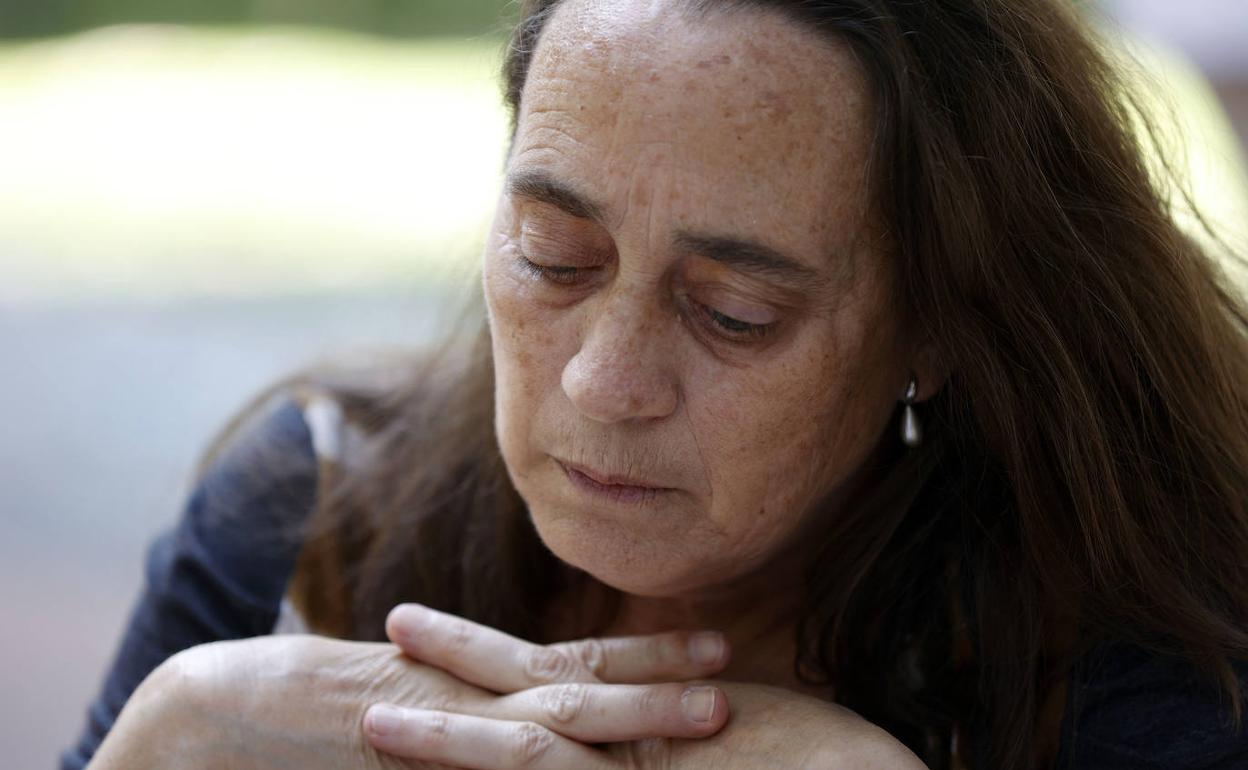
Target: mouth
column 609, row 487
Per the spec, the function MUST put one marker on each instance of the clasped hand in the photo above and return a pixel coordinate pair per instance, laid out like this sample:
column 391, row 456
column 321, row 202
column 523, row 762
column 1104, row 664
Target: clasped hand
column 462, row 695
column 538, row 706
column 547, row 707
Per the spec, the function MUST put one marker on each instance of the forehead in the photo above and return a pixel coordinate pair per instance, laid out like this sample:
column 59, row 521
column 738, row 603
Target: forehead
column 737, row 117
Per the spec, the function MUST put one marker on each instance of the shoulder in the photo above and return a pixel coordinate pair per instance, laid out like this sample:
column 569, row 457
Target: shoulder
column 267, row 460
column 271, row 434
column 221, row 571
column 1128, row 707
column 263, row 465
column 243, row 520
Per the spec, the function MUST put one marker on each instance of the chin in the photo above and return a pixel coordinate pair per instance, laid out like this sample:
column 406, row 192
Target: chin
column 616, row 555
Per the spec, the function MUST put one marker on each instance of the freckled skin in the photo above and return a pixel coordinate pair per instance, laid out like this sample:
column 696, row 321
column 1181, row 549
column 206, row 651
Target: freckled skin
column 739, row 123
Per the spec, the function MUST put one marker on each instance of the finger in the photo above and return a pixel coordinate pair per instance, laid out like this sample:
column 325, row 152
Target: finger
column 610, row 713
column 476, row 743
column 479, row 654
column 497, row 661
column 666, row 657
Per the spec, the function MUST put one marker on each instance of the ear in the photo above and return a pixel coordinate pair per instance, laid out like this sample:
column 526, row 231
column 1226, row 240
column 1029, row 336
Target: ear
column 928, row 368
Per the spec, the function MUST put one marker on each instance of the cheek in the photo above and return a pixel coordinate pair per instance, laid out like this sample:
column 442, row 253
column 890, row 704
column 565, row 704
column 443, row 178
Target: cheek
column 807, row 429
column 525, row 351
column 512, row 319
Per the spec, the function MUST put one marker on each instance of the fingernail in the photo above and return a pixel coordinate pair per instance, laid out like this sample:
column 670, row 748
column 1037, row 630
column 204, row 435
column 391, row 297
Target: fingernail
column 383, row 720
column 698, row 703
column 706, row 648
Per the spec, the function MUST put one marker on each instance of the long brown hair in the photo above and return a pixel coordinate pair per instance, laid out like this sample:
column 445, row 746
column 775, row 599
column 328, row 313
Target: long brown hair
column 1084, row 475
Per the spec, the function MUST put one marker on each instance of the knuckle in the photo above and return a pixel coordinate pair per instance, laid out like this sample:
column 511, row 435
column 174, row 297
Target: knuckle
column 437, row 729
column 563, row 703
column 547, row 664
column 456, row 634
column 592, row 655
column 186, row 674
column 649, row 700
column 530, row 742
column 660, row 649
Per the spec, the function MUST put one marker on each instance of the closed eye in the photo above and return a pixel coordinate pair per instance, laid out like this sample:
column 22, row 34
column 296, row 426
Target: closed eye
column 727, row 327
column 566, row 276
column 733, row 328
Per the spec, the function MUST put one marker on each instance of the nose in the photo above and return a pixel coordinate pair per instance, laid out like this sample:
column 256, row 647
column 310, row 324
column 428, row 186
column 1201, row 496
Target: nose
column 621, row 371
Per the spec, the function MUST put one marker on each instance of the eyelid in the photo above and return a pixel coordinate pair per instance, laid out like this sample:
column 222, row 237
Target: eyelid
column 756, row 316
column 566, row 277
column 557, row 275
column 738, row 303
column 565, row 232
column 753, row 333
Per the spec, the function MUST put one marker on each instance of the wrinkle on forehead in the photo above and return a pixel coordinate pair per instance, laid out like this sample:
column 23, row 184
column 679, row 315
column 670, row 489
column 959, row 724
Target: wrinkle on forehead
column 765, row 126
column 637, row 44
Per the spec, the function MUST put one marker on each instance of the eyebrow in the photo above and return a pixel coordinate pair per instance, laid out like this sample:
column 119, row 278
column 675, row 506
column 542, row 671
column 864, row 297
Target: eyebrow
column 544, row 188
column 751, row 257
column 740, row 254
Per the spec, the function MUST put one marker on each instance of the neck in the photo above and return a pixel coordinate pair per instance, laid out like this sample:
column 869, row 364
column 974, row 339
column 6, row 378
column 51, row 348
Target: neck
column 743, row 617
column 757, row 614
column 761, row 632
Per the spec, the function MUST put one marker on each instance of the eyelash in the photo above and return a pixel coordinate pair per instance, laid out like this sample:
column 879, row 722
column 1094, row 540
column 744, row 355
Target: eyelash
column 731, row 328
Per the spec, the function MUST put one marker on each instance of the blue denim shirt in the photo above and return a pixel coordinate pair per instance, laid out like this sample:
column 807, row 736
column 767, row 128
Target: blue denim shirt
column 1126, row 709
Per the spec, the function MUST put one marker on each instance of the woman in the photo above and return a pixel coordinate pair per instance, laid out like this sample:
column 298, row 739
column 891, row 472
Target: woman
column 855, row 334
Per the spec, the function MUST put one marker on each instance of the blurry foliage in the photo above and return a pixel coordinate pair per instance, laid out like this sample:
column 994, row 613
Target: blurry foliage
column 398, row 18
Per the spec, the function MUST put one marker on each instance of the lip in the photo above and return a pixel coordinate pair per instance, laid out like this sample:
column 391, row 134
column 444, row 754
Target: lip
column 609, row 486
column 609, row 479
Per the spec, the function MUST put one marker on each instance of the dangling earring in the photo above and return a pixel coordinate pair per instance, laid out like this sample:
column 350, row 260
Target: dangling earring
column 911, row 431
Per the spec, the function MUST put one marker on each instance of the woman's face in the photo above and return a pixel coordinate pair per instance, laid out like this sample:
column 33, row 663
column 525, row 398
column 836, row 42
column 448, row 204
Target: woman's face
column 686, row 289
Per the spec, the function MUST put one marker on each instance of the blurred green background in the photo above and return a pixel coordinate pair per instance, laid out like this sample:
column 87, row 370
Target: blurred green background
column 389, row 18
column 197, row 197
column 222, row 149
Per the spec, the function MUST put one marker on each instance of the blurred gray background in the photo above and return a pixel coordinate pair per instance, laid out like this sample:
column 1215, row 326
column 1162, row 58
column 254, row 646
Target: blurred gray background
column 199, row 196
